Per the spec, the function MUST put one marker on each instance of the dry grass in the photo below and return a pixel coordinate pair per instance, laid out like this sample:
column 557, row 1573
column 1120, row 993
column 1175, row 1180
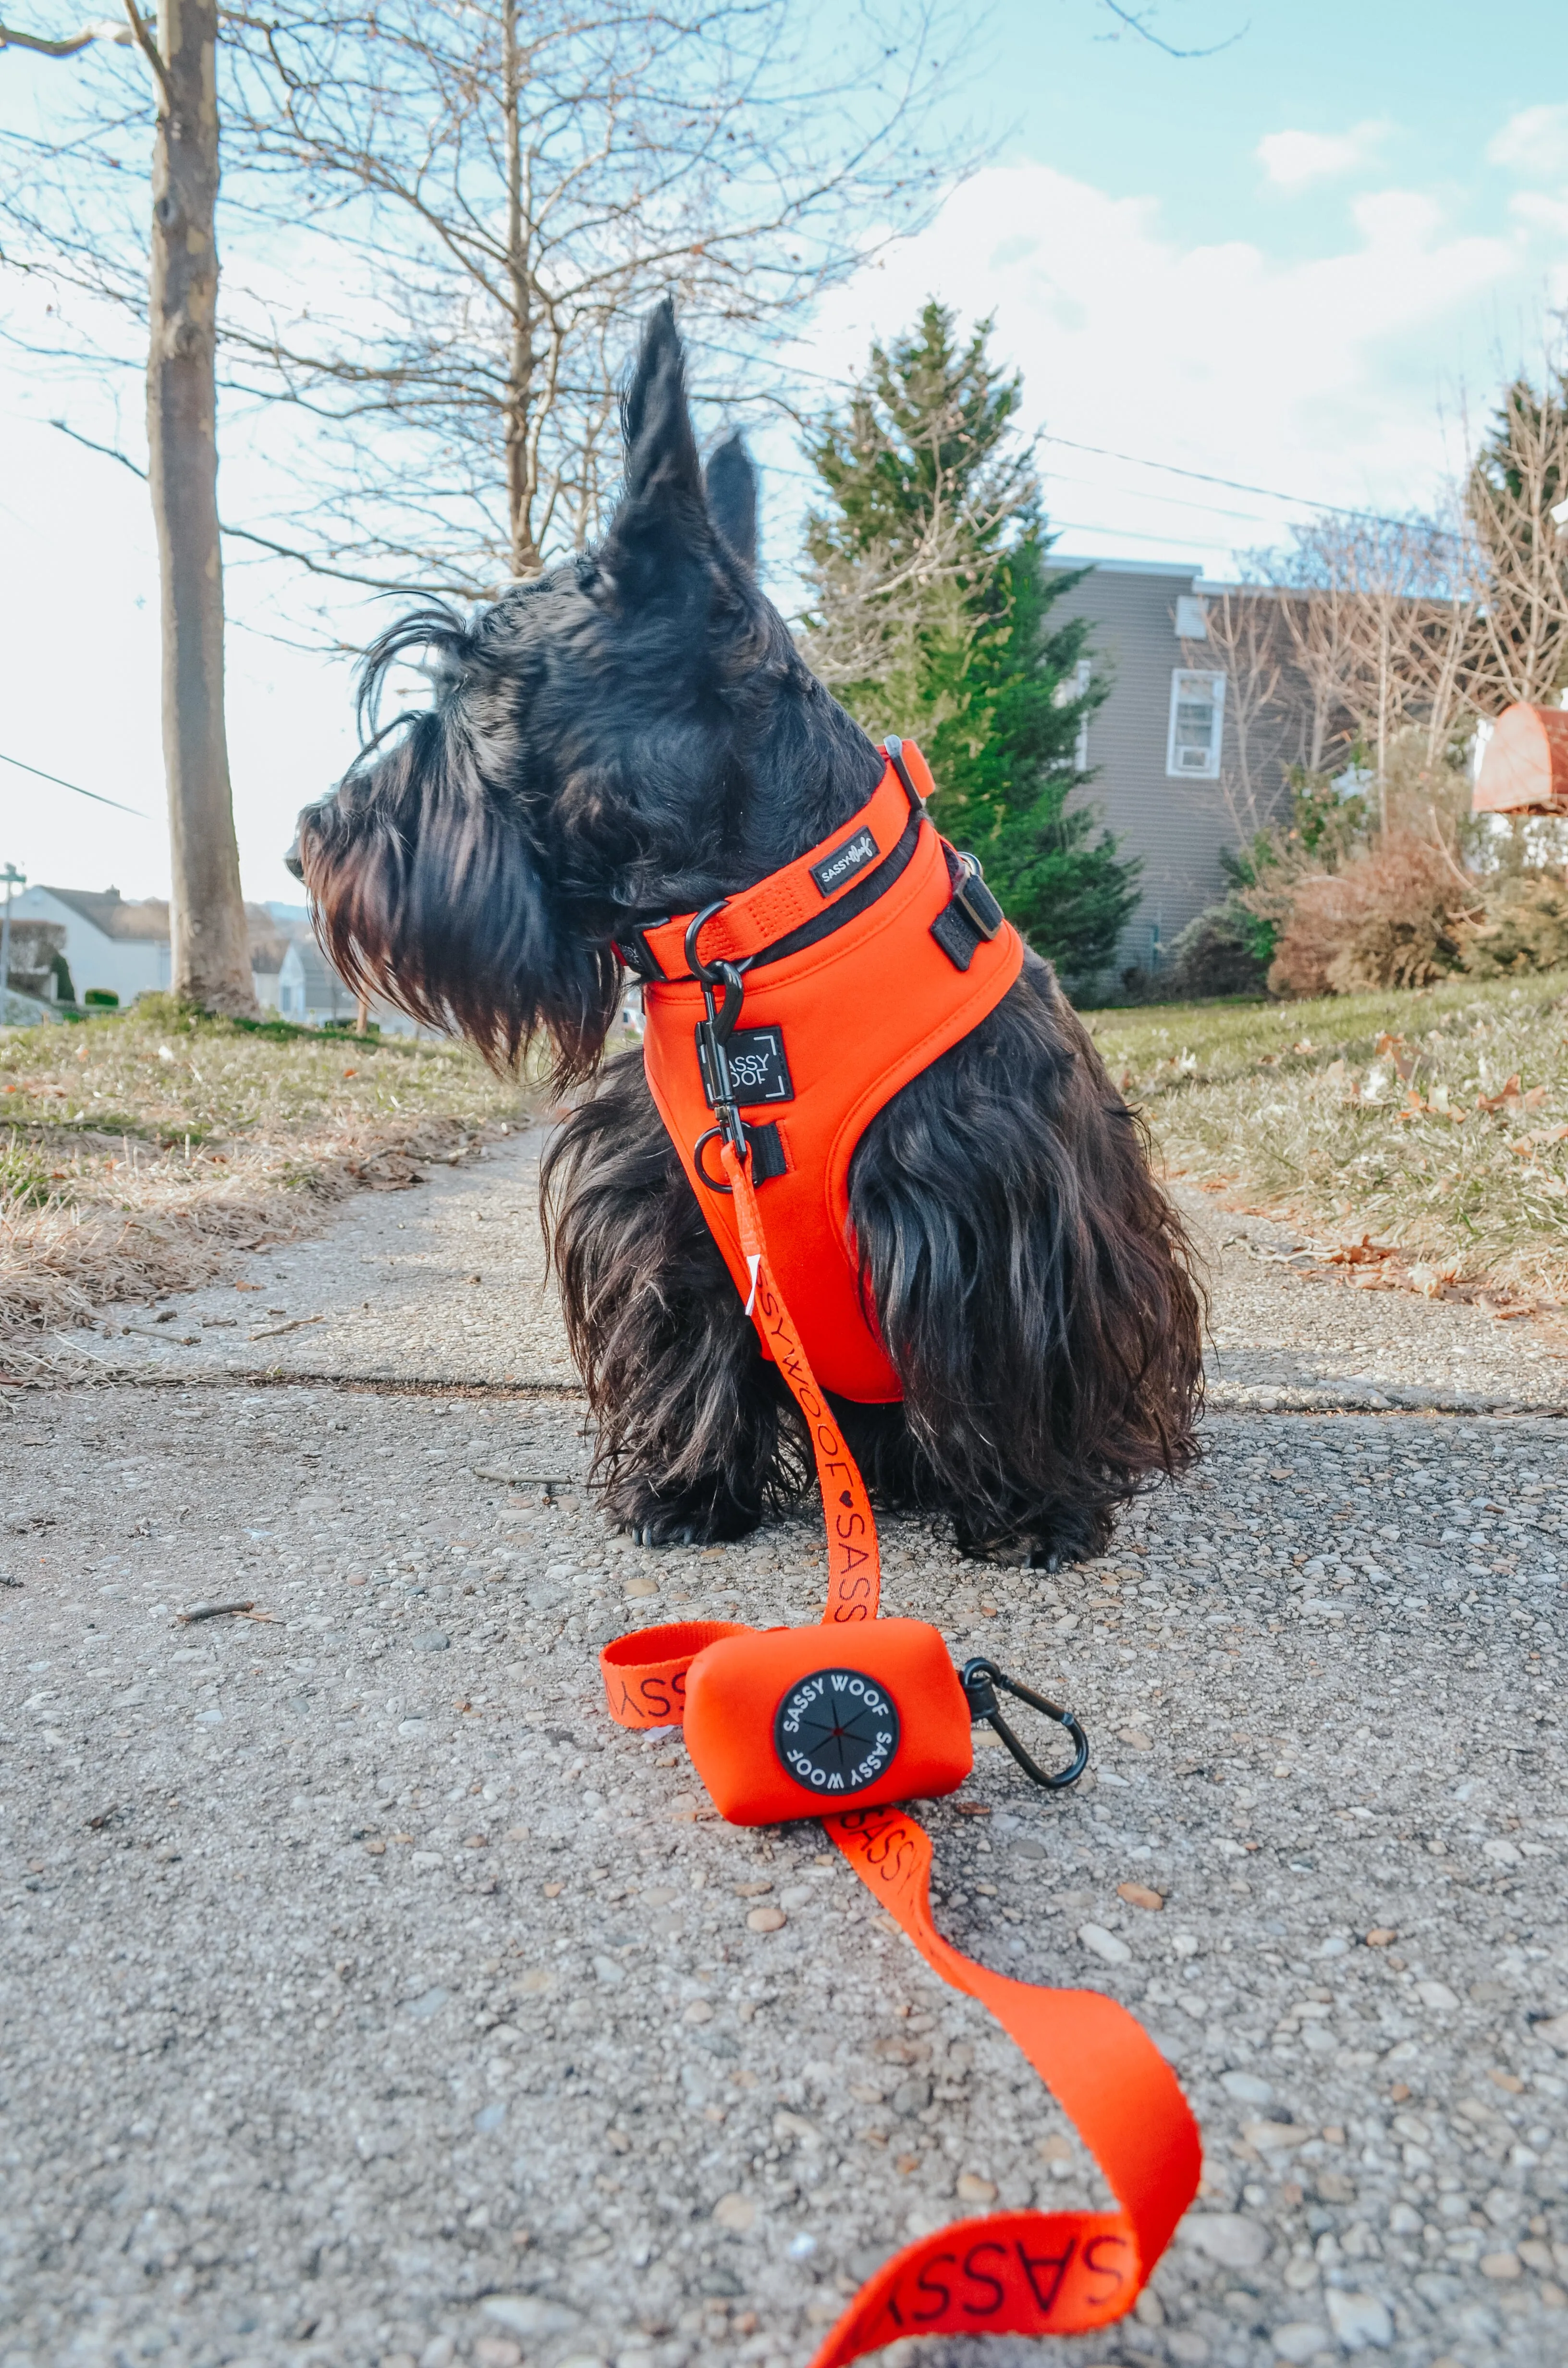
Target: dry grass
column 138, row 1152
column 1434, row 1124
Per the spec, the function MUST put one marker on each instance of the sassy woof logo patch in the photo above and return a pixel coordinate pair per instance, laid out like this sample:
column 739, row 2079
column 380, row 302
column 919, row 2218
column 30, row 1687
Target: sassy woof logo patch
column 836, row 1731
column 844, row 862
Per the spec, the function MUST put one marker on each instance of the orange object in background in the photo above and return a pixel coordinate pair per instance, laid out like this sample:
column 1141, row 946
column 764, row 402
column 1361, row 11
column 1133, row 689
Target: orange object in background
column 1524, row 768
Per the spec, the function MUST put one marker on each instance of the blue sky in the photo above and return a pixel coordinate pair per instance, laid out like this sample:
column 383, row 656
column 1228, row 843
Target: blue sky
column 1296, row 264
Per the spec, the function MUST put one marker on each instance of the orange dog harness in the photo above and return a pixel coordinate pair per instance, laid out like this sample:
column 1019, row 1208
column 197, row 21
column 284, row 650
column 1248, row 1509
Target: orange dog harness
column 771, row 1719
column 813, row 1041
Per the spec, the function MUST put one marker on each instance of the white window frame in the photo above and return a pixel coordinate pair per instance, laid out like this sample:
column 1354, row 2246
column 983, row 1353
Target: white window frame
column 1067, row 694
column 1210, row 770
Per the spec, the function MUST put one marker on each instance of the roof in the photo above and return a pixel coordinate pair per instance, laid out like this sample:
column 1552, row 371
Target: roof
column 106, row 910
column 148, row 921
column 1064, row 560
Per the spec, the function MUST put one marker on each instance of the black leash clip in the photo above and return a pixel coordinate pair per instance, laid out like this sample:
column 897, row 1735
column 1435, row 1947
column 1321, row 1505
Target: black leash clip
column 980, row 1680
column 714, row 1035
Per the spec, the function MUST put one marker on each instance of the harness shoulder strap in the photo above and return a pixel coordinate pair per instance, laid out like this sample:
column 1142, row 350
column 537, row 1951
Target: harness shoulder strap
column 755, row 917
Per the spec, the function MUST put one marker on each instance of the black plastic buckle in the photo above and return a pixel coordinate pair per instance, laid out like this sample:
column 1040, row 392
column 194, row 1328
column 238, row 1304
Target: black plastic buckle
column 974, row 899
column 638, row 955
column 980, row 1680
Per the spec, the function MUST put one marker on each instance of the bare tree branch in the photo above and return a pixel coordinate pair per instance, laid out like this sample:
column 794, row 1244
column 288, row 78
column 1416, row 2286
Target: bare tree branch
column 1137, row 21
column 149, row 49
column 12, row 38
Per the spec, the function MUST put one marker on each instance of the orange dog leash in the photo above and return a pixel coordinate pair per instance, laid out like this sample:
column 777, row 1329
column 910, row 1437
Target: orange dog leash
column 1006, row 2272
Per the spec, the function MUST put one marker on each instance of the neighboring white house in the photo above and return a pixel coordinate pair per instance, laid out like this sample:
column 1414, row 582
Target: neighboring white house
column 120, row 947
column 311, row 993
column 116, row 946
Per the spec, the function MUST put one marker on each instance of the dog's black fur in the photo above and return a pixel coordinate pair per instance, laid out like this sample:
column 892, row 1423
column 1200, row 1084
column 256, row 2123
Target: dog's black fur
column 635, row 735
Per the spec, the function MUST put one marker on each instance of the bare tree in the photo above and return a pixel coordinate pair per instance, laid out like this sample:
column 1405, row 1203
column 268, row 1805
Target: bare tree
column 1273, row 719
column 210, row 951
column 1517, row 480
column 504, row 186
column 1382, row 620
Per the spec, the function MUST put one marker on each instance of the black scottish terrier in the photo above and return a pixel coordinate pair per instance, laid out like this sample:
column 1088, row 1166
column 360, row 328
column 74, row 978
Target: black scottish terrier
column 635, row 735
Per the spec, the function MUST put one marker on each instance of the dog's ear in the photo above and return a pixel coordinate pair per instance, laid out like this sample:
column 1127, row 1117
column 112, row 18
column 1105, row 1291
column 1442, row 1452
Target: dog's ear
column 663, row 506
column 732, row 497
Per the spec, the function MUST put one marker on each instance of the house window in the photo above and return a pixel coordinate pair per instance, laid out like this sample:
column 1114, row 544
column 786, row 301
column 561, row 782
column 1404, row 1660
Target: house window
column 1067, row 693
column 1197, row 716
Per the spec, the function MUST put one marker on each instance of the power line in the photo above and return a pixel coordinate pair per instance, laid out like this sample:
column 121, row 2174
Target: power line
column 1231, row 484
column 73, row 786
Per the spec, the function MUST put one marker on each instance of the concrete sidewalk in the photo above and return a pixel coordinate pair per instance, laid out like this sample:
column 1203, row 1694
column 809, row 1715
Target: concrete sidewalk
column 369, row 1998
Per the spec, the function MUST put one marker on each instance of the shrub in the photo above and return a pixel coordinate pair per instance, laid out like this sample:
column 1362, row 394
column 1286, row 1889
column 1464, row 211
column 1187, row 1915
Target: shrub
column 1394, row 918
column 1217, row 953
column 101, row 998
column 1526, row 927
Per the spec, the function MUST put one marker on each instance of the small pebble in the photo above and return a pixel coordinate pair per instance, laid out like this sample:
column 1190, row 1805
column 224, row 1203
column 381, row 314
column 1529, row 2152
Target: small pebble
column 1095, row 1937
column 766, row 1920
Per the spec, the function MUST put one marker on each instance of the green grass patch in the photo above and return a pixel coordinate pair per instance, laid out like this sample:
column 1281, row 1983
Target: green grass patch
column 1436, row 1121
column 138, row 1147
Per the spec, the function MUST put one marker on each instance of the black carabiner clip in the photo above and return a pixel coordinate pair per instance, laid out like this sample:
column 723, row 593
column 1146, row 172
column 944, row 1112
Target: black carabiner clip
column 713, row 1033
column 980, row 1680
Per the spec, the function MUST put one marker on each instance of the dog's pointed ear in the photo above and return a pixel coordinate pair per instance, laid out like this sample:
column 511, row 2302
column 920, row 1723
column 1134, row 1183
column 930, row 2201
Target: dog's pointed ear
column 664, row 476
column 731, row 497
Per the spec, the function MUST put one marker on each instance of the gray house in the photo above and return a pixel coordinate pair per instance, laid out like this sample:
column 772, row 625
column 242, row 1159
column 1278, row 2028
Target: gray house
column 1162, row 747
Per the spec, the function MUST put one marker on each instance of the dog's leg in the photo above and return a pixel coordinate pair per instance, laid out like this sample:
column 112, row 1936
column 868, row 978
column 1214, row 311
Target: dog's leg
column 1031, row 1282
column 694, row 1440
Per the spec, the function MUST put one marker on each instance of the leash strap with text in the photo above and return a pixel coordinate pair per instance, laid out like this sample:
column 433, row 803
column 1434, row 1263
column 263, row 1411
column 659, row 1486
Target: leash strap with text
column 1005, row 2272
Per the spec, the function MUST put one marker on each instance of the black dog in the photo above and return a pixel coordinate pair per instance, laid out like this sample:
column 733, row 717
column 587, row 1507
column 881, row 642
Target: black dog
column 635, row 735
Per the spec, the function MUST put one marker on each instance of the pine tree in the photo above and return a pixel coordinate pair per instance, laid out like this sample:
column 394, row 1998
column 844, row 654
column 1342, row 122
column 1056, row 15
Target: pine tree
column 934, row 603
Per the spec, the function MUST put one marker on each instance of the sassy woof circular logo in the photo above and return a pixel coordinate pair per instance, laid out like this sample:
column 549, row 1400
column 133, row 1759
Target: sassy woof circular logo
column 836, row 1731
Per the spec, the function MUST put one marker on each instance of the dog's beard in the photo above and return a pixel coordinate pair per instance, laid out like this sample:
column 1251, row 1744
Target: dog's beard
column 426, row 892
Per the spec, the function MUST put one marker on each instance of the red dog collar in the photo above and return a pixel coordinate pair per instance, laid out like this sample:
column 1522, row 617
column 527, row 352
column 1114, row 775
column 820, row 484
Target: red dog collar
column 826, row 1036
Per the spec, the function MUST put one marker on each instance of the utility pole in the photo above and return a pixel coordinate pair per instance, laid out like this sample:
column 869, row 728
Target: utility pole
column 13, row 879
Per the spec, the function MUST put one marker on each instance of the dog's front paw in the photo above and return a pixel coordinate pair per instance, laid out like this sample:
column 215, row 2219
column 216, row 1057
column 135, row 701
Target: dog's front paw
column 654, row 1519
column 661, row 1532
column 1042, row 1540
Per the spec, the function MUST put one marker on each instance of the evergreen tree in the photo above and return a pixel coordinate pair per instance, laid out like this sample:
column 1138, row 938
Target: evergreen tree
column 933, row 618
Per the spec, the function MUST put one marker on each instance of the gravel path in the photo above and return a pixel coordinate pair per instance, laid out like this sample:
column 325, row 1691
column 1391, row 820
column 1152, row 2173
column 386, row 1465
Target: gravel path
column 369, row 1998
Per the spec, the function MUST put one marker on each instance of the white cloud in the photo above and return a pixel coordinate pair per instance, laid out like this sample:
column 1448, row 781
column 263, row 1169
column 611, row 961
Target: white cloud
column 1537, row 212
column 1319, row 376
column 1292, row 159
column 1534, row 142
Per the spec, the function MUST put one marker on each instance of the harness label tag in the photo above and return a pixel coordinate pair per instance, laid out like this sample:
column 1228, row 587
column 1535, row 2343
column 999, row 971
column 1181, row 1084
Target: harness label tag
column 844, row 862
column 758, row 1068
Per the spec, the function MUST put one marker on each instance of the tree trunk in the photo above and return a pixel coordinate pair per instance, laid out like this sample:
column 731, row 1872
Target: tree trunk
column 525, row 555
column 211, row 950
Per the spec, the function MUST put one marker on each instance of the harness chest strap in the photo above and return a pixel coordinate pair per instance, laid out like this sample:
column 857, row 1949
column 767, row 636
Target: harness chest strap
column 832, row 1031
column 1009, row 2273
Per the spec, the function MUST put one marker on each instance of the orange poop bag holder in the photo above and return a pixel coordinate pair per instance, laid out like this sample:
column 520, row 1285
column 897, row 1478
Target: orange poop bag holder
column 791, row 1723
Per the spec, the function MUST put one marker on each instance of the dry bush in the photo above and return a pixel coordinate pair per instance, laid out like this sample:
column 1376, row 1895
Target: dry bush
column 1215, row 954
column 1526, row 927
column 1394, row 918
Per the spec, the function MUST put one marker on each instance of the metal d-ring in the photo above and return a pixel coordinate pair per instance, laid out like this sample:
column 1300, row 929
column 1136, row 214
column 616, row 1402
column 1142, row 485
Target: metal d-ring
column 694, row 928
column 697, row 1150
